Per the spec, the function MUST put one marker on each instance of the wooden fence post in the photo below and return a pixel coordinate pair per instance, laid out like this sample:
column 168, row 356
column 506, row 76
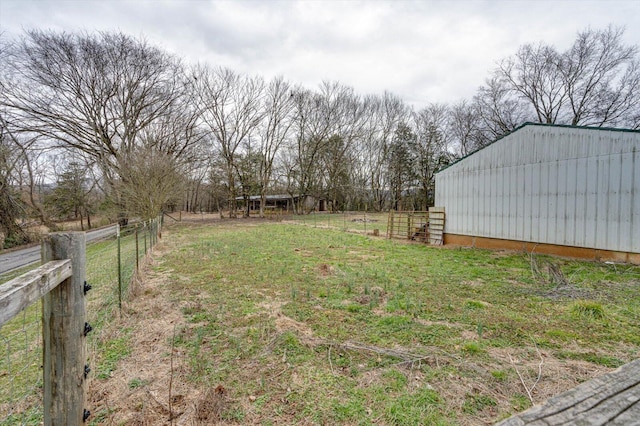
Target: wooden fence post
column 63, row 334
column 119, row 241
column 137, row 251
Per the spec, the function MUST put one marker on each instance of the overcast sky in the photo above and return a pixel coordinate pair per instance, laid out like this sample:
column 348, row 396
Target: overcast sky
column 424, row 51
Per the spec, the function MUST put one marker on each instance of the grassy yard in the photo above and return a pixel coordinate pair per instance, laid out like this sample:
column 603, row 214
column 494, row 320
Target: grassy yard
column 272, row 323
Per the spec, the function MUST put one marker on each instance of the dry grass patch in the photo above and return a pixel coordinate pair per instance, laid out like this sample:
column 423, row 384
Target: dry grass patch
column 148, row 385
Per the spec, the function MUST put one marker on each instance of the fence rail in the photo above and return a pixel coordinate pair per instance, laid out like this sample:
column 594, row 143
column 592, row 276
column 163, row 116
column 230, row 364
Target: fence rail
column 21, row 292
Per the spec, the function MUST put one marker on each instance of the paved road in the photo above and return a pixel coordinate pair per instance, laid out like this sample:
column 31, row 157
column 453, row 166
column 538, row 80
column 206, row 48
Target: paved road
column 20, row 258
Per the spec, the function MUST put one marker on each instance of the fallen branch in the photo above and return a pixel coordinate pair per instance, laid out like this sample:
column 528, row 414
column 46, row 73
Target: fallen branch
column 521, row 379
column 407, row 357
column 539, row 367
column 526, row 388
column 330, row 363
column 278, row 374
column 404, row 357
column 413, row 361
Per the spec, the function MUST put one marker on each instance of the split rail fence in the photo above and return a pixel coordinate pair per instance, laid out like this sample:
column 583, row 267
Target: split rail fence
column 50, row 323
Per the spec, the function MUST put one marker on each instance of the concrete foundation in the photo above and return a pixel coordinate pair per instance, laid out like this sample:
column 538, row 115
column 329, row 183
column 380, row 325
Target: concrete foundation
column 539, row 248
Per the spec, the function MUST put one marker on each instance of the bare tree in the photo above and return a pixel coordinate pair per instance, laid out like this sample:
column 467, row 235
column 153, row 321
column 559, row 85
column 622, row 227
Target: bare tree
column 341, row 148
column 601, row 77
column 11, row 205
column 361, row 156
column 312, row 125
column 499, row 112
column 150, row 180
column 534, row 74
column 96, row 93
column 177, row 142
column 230, row 107
column 594, row 83
column 27, row 176
column 196, row 188
column 431, row 148
column 388, row 112
column 274, row 131
column 464, row 126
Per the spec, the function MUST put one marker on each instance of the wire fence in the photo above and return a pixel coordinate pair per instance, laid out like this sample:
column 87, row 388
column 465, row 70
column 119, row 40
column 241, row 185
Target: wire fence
column 422, row 226
column 21, row 368
column 111, row 265
column 374, row 223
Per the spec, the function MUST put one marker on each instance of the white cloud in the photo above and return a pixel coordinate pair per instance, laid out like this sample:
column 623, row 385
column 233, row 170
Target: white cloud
column 424, row 51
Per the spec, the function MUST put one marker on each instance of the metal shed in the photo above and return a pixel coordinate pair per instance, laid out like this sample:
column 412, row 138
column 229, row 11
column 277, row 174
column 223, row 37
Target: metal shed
column 550, row 188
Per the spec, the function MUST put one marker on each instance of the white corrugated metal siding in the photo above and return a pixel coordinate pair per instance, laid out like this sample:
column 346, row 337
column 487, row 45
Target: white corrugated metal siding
column 549, row 184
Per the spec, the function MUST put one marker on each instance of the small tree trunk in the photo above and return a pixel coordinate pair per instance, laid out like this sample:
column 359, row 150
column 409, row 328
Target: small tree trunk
column 263, row 200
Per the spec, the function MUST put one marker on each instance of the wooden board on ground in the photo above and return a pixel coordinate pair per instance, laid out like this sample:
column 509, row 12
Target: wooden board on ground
column 611, row 399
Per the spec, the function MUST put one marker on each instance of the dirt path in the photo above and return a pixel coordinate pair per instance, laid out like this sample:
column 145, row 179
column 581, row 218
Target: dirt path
column 149, row 386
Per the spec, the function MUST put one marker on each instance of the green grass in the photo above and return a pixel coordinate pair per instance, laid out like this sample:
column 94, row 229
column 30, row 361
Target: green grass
column 308, row 319
column 137, row 383
column 587, row 309
column 472, row 348
column 600, row 359
column 112, row 351
column 475, row 403
column 20, row 371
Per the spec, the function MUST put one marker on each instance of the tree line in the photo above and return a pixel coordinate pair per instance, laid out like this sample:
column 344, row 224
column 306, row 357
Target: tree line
column 105, row 122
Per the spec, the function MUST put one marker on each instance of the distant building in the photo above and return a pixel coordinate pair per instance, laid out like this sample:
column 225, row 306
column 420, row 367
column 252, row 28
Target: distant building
column 285, row 202
column 565, row 190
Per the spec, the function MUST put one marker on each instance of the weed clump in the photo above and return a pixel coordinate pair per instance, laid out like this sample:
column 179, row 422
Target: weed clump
column 472, row 348
column 475, row 304
column 587, row 309
column 475, row 403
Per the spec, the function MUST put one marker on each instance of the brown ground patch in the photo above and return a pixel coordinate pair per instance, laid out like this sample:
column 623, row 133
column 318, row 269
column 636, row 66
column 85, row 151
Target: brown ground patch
column 273, row 308
column 441, row 323
column 149, row 386
column 303, row 252
column 325, row 270
column 357, row 255
column 473, row 283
